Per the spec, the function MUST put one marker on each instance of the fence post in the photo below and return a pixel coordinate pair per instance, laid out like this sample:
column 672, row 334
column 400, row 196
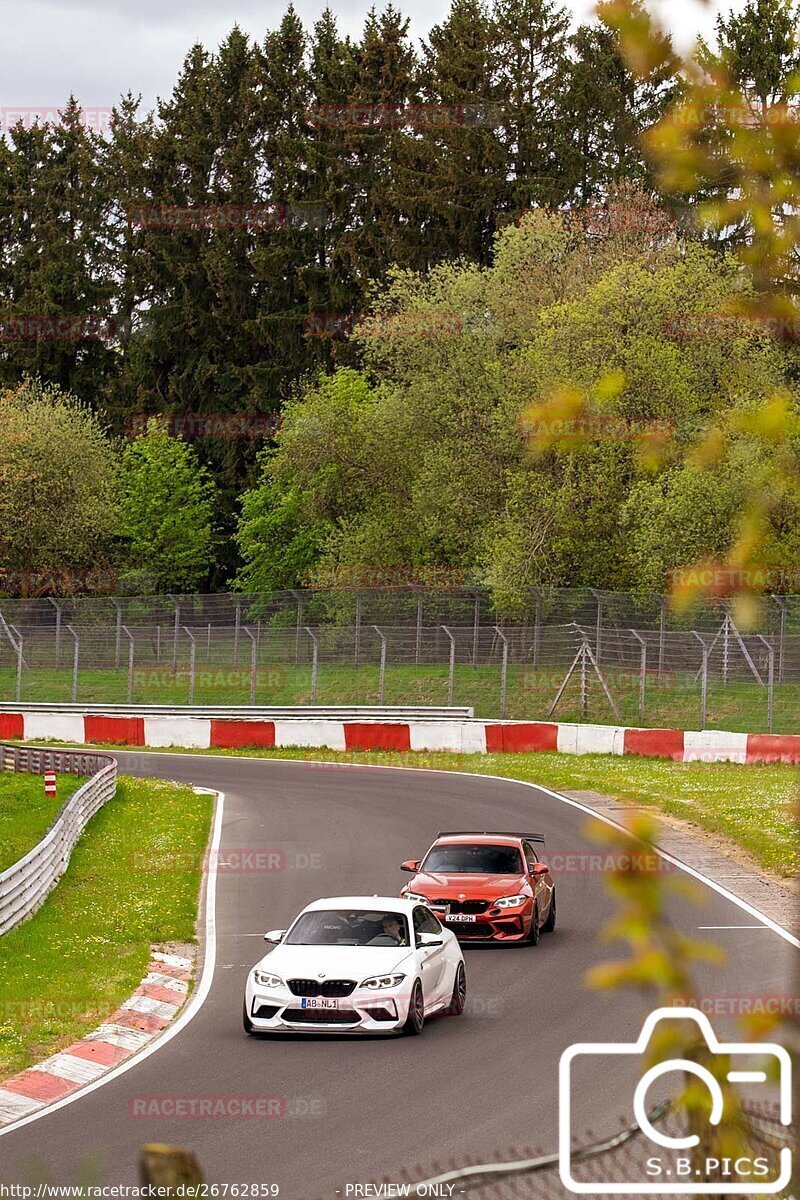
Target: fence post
column 131, row 645
column 503, row 671
column 177, row 604
column 75, row 655
column 781, row 603
column 418, row 647
column 253, row 665
column 298, row 626
column 382, row 636
column 452, row 664
column 662, row 628
column 58, row 609
column 704, row 679
column 598, row 637
column 192, row 657
column 643, row 675
column 314, row 665
column 476, row 625
column 236, row 628
column 20, row 661
column 770, row 681
column 118, row 637
column 358, row 628
column 537, row 627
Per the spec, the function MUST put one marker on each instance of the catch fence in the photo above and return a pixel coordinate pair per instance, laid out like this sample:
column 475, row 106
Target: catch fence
column 413, row 646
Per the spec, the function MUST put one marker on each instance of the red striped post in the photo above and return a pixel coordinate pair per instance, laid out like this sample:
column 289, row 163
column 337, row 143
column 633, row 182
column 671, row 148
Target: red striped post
column 49, row 783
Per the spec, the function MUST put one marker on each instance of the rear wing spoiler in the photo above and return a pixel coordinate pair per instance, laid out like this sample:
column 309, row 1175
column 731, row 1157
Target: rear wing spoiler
column 529, row 837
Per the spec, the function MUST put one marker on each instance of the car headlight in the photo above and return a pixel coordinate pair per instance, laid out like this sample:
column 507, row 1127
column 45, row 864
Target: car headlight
column 264, row 979
column 377, row 982
column 511, row 901
column 417, row 897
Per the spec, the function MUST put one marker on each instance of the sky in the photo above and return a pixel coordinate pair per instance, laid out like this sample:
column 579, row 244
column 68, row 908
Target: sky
column 98, row 50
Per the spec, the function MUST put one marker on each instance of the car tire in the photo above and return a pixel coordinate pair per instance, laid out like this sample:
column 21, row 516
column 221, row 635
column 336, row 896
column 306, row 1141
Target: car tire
column 415, row 1022
column 550, row 923
column 459, row 999
column 535, row 930
column 247, row 1024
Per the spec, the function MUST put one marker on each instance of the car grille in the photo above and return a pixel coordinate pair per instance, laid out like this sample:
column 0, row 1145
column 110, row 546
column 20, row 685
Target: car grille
column 321, row 1016
column 321, row 987
column 463, row 906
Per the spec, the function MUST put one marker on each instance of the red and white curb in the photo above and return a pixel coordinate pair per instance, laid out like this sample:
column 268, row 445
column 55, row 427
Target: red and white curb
column 153, row 1006
column 460, row 736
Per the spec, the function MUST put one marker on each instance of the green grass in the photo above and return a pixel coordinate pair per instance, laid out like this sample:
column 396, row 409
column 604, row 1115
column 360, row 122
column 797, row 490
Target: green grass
column 741, row 706
column 85, row 951
column 26, row 813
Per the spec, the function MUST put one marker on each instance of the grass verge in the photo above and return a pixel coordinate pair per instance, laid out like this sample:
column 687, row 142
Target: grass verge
column 26, row 813
column 85, row 951
column 671, row 700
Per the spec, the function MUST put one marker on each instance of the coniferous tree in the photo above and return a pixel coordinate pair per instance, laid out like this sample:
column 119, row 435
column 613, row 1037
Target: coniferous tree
column 59, row 291
column 385, row 89
column 531, row 42
column 462, row 183
column 606, row 108
column 333, row 285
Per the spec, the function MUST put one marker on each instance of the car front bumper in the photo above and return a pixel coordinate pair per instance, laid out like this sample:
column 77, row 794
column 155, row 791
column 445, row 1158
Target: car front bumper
column 496, row 925
column 360, row 1012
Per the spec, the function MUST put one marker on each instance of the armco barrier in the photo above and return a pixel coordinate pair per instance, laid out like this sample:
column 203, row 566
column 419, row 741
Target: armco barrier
column 24, row 886
column 364, row 729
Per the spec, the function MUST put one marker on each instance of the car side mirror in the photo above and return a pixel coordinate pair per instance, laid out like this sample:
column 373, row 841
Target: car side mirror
column 275, row 935
column 429, row 939
column 410, row 866
column 539, row 869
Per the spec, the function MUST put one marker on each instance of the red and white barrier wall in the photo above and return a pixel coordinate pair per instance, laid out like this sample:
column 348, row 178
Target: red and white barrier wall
column 462, row 736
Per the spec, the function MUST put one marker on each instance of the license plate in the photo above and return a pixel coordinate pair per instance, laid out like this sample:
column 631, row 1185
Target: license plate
column 470, row 917
column 318, row 1002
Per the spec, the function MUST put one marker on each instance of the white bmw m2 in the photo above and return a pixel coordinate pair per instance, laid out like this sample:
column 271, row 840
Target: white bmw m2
column 356, row 964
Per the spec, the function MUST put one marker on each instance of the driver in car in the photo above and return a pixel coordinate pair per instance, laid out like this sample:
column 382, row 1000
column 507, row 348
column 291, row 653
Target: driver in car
column 392, row 932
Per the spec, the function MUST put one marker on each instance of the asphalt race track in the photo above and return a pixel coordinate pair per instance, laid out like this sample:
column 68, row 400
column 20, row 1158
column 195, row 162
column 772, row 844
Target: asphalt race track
column 357, row 1110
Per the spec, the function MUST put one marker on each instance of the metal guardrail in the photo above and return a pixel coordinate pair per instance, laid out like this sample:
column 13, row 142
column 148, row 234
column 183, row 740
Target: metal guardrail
column 25, row 885
column 315, row 712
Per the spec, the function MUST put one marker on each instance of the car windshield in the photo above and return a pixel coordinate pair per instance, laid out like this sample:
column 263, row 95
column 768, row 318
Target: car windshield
column 474, row 859
column 348, row 927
